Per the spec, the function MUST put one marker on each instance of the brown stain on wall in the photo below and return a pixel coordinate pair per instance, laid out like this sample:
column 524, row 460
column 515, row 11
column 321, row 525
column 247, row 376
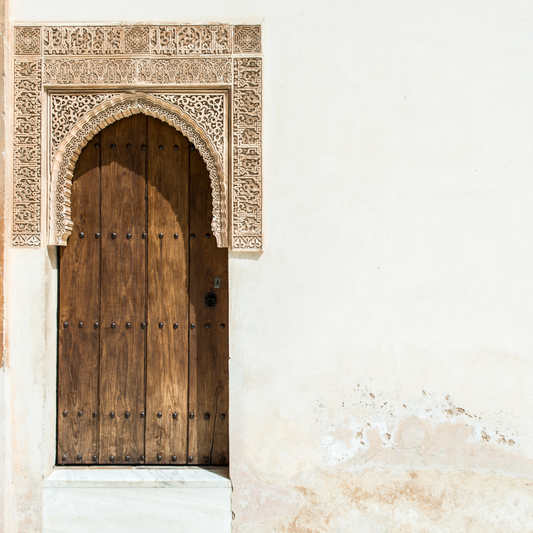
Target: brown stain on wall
column 407, row 502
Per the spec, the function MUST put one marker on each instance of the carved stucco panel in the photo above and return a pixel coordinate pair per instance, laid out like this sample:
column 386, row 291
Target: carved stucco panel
column 67, row 109
column 247, row 135
column 106, row 113
column 169, row 59
column 206, row 110
column 27, row 155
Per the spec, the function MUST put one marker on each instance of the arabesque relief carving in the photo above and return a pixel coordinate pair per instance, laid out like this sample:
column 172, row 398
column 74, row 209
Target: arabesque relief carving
column 67, row 109
column 119, row 71
column 181, row 74
column 206, row 110
column 27, row 155
column 247, row 186
column 107, row 112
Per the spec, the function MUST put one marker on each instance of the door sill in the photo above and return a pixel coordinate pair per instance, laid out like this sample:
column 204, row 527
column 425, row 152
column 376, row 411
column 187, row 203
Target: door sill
column 189, row 477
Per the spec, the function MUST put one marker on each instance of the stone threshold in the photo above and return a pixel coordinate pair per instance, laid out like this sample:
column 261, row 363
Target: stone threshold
column 138, row 477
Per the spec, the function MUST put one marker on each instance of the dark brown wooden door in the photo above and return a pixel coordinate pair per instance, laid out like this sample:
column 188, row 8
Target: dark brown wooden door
column 143, row 306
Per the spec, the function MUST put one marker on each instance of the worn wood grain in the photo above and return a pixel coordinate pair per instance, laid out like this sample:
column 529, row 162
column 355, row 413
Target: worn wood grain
column 123, row 288
column 79, row 304
column 168, row 283
column 208, row 344
column 145, row 178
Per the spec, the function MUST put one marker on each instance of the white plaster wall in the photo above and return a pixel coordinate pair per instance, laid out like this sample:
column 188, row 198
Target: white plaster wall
column 2, row 453
column 382, row 346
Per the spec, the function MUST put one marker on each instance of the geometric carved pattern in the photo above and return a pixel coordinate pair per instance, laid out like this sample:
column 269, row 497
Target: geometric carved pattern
column 137, row 40
column 101, row 116
column 172, row 63
column 247, row 197
column 118, row 40
column 247, row 40
column 27, row 155
column 27, row 41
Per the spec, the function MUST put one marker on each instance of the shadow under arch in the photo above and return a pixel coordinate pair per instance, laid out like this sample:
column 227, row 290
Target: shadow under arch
column 101, row 116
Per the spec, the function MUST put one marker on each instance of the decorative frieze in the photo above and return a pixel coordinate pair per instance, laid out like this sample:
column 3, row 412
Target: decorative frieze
column 170, row 40
column 81, row 72
column 115, row 71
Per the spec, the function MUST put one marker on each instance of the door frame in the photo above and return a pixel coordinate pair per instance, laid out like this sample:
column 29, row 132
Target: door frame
column 87, row 83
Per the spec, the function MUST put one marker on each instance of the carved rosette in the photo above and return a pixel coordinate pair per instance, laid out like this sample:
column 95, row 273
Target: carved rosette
column 172, row 63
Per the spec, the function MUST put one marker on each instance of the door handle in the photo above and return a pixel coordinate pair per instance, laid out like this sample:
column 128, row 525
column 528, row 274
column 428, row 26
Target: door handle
column 210, row 299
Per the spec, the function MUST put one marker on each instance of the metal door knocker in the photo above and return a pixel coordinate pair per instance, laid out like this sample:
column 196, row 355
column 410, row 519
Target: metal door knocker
column 210, row 299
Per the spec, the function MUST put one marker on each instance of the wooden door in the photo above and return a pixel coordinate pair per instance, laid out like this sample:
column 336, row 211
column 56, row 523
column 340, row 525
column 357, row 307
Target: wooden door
column 143, row 306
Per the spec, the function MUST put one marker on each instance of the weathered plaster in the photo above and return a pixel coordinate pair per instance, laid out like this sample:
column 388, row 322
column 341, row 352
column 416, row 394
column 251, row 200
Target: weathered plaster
column 427, row 465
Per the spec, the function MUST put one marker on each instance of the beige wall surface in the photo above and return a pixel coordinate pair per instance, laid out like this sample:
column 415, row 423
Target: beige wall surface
column 382, row 344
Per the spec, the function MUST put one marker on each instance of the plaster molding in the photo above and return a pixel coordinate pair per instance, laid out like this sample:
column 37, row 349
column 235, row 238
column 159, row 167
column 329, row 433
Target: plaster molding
column 71, row 81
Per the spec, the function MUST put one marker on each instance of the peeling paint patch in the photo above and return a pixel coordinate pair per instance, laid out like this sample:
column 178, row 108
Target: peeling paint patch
column 368, row 423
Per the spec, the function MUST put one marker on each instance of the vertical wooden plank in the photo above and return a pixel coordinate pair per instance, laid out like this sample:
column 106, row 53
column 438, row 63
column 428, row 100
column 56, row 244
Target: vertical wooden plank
column 208, row 341
column 79, row 310
column 122, row 357
column 168, row 284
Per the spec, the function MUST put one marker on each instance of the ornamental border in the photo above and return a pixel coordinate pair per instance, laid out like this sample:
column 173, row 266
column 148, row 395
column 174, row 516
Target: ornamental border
column 132, row 63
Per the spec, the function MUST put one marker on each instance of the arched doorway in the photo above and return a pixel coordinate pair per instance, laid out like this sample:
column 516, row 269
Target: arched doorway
column 143, row 306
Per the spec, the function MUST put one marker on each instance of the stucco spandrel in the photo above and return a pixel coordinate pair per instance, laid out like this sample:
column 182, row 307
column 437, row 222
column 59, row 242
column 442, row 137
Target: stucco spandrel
column 428, row 464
